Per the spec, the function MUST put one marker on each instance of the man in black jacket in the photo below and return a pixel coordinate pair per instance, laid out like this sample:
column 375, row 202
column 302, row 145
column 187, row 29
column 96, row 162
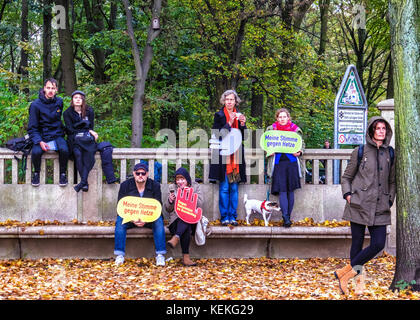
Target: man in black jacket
column 47, row 131
column 140, row 186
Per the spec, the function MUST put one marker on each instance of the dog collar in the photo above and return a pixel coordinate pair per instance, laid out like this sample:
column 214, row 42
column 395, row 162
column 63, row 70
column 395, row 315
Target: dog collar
column 263, row 206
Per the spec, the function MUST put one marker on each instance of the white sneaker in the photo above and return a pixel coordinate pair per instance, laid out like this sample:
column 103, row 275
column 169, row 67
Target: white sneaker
column 160, row 260
column 119, row 260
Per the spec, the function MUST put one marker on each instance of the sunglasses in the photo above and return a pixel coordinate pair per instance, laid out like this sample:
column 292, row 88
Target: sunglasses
column 140, row 173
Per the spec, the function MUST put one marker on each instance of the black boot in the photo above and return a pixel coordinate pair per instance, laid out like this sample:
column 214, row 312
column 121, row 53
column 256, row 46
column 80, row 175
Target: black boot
column 286, row 221
column 78, row 187
column 85, row 187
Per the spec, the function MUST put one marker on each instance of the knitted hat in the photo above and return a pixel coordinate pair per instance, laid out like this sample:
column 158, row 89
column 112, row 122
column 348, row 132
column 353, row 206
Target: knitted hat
column 183, row 172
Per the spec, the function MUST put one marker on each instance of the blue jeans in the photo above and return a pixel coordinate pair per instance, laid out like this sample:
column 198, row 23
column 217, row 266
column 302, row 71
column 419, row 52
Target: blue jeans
column 121, row 235
column 228, row 200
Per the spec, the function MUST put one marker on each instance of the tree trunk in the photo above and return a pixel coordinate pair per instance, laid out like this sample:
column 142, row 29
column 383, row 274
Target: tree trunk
column 360, row 55
column 142, row 69
column 23, row 65
column 3, row 7
column 65, row 41
column 95, row 25
column 323, row 8
column 405, row 44
column 390, row 82
column 46, row 40
column 257, row 99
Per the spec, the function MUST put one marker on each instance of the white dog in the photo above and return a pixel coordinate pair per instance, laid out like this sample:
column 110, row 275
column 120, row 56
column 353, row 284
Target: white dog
column 263, row 207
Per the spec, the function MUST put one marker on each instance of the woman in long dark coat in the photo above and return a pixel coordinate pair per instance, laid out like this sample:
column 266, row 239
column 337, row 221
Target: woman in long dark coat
column 79, row 120
column 228, row 170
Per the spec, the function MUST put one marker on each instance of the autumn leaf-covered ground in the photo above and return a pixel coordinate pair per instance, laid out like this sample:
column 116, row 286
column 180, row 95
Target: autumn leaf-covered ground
column 212, row 279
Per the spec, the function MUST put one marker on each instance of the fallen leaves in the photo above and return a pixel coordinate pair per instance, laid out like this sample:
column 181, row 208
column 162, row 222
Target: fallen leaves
column 307, row 222
column 212, row 279
column 36, row 223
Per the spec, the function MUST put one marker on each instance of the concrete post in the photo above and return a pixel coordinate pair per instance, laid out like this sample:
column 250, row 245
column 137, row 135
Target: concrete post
column 387, row 112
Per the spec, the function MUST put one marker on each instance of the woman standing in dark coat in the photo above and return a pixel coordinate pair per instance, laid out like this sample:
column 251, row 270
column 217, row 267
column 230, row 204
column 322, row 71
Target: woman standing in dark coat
column 79, row 120
column 369, row 190
column 285, row 168
column 228, row 170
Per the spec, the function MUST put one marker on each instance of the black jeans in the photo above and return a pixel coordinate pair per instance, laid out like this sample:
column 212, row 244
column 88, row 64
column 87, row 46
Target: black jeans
column 85, row 160
column 183, row 230
column 358, row 255
column 63, row 155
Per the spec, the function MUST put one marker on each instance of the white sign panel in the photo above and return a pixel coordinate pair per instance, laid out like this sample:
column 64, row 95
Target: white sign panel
column 351, row 115
column 350, row 138
column 356, row 127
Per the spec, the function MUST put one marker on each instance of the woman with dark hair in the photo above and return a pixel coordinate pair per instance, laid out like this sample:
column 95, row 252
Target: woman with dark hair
column 180, row 230
column 79, row 120
column 368, row 187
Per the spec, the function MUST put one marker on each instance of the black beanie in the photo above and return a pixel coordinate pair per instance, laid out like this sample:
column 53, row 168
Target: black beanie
column 183, row 172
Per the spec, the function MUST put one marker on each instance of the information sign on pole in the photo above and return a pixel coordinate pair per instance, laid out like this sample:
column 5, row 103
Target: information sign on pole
column 350, row 114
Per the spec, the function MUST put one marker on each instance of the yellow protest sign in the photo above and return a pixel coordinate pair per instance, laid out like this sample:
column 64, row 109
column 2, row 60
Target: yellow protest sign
column 135, row 208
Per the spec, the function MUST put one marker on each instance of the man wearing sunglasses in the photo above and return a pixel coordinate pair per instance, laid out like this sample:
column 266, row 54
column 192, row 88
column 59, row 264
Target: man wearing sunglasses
column 140, row 186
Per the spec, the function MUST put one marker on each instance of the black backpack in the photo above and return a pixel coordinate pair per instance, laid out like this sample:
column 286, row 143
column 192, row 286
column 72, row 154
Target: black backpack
column 360, row 154
column 23, row 145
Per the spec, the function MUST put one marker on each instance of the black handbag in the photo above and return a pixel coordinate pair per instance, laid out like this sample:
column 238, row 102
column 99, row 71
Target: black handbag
column 84, row 137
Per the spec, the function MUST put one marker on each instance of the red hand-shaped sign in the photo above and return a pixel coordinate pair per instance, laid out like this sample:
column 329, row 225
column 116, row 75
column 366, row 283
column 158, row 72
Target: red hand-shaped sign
column 186, row 205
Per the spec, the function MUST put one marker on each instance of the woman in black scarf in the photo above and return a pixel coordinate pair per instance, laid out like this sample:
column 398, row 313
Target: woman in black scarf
column 79, row 120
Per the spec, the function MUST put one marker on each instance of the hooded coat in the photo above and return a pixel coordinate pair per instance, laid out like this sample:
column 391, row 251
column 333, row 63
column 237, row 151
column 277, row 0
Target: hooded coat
column 45, row 118
column 372, row 184
column 170, row 207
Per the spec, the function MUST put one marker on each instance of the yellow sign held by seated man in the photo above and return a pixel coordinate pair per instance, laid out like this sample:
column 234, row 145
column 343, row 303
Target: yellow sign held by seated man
column 135, row 208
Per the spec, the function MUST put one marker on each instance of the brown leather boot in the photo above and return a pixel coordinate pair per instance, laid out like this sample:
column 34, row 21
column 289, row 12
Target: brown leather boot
column 173, row 242
column 360, row 284
column 186, row 261
column 344, row 275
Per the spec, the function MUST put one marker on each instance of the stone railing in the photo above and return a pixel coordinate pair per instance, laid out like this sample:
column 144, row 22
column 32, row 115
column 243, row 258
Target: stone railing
column 20, row 201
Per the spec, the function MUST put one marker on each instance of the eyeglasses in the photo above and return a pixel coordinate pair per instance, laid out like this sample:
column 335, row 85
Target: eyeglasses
column 140, row 173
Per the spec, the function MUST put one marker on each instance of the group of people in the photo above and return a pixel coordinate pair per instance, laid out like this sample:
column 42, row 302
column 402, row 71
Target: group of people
column 47, row 132
column 229, row 171
column 368, row 185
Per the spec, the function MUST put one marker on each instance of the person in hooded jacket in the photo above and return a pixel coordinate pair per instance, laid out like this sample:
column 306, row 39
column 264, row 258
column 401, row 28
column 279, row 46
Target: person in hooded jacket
column 79, row 120
column 369, row 190
column 45, row 128
column 180, row 230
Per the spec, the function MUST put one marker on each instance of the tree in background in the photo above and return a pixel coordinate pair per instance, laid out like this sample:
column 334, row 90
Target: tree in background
column 142, row 68
column 405, row 35
column 275, row 53
column 65, row 40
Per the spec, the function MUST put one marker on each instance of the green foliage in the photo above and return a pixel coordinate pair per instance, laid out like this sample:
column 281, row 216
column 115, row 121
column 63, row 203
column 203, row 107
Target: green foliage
column 193, row 64
column 13, row 112
column 403, row 285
